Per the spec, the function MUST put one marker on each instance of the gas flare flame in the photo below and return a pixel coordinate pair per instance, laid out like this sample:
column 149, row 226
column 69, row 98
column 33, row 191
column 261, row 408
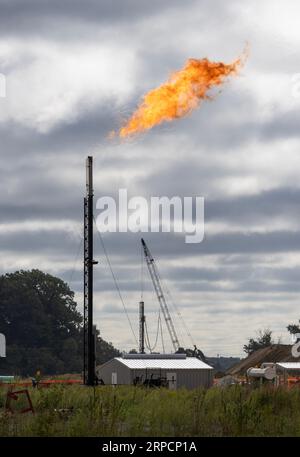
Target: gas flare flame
column 180, row 95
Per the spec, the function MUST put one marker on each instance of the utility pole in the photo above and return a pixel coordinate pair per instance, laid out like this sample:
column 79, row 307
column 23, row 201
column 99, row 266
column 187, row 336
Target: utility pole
column 142, row 328
column 89, row 331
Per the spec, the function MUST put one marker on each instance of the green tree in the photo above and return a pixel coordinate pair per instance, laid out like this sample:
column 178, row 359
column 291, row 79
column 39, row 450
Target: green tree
column 43, row 328
column 294, row 328
column 263, row 340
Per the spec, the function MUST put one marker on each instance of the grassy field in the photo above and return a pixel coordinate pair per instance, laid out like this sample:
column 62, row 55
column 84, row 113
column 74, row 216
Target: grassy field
column 130, row 411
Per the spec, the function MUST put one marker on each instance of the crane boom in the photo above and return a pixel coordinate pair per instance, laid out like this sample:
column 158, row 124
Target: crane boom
column 160, row 295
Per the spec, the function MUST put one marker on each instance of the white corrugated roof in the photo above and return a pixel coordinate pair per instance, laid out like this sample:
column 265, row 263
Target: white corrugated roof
column 289, row 365
column 189, row 363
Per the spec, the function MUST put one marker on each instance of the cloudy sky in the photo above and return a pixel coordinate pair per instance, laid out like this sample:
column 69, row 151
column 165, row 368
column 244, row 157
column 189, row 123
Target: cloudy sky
column 73, row 71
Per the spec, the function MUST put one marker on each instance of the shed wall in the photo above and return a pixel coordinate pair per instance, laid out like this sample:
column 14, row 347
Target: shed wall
column 114, row 366
column 189, row 378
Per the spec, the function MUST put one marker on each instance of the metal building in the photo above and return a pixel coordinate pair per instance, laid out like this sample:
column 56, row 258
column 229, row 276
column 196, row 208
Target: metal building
column 170, row 370
column 288, row 372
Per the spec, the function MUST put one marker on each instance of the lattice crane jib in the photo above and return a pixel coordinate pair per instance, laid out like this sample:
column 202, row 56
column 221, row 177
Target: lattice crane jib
column 160, row 295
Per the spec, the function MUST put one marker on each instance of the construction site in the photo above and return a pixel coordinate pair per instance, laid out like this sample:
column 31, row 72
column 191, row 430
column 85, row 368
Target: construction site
column 150, row 237
column 274, row 365
column 132, row 380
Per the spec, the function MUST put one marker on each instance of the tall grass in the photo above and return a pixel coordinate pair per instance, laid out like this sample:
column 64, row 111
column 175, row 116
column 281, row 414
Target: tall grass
column 131, row 411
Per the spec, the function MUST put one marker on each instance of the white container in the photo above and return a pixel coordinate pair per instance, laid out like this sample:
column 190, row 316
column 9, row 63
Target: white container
column 268, row 373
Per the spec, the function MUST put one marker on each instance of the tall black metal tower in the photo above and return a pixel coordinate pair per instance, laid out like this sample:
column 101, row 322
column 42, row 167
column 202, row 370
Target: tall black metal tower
column 89, row 331
column 142, row 328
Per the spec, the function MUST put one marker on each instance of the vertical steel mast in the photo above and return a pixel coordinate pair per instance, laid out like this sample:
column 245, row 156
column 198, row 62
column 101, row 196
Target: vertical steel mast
column 89, row 333
column 142, row 328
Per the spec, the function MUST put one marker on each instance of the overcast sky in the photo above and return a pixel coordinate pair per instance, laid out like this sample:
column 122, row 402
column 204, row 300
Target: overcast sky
column 73, row 71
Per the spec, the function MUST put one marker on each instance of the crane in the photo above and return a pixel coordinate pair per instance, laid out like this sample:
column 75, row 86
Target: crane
column 160, row 295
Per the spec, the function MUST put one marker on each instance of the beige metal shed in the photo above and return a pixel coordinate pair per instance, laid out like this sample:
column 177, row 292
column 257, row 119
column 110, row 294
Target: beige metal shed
column 171, row 370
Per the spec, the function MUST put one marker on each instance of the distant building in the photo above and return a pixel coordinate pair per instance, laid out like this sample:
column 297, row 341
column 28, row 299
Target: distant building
column 169, row 370
column 271, row 354
column 288, row 372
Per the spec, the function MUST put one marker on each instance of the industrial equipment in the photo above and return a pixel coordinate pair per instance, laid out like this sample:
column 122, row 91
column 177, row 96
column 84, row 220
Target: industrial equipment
column 268, row 373
column 160, row 295
column 142, row 328
column 89, row 357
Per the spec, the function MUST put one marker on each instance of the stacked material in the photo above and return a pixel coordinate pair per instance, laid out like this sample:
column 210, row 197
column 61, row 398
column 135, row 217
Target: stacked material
column 272, row 354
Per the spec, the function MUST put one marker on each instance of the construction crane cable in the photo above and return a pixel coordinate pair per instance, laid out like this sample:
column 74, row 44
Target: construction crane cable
column 173, row 311
column 151, row 349
column 182, row 319
column 162, row 337
column 176, row 309
column 116, row 284
column 147, row 338
column 157, row 333
column 147, row 341
column 76, row 259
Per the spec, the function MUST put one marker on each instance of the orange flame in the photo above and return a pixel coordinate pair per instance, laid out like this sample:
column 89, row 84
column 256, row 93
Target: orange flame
column 180, row 95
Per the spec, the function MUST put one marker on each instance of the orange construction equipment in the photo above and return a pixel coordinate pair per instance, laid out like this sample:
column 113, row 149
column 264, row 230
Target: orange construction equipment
column 46, row 383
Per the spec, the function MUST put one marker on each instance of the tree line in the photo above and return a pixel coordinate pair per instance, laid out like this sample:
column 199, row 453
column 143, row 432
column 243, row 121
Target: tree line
column 44, row 329
column 264, row 338
column 42, row 326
